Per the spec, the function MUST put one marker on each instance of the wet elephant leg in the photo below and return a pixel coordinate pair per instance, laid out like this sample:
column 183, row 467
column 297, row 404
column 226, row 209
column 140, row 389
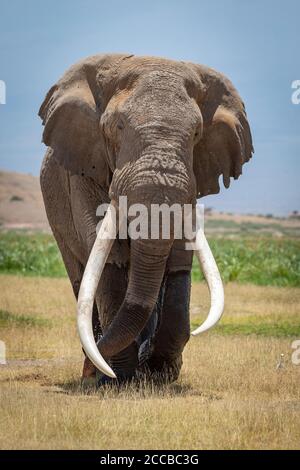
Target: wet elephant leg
column 174, row 327
column 110, row 295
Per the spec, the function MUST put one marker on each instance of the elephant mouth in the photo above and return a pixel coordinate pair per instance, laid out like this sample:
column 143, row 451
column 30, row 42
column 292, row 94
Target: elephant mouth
column 93, row 271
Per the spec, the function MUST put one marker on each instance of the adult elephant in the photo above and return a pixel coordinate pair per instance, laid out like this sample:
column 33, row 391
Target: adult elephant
column 156, row 131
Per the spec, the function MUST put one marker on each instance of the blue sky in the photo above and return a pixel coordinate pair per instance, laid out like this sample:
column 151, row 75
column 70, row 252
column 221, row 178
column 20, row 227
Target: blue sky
column 256, row 43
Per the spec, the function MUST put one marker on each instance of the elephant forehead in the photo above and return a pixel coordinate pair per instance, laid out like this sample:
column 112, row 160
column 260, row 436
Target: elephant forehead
column 158, row 72
column 154, row 115
column 155, row 99
column 144, row 64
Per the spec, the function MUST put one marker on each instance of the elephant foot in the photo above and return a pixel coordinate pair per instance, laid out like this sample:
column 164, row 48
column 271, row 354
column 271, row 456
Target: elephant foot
column 120, row 381
column 124, row 366
column 161, row 370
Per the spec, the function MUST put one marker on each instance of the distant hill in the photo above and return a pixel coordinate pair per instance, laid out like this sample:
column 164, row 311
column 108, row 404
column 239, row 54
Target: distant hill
column 21, row 203
column 21, row 207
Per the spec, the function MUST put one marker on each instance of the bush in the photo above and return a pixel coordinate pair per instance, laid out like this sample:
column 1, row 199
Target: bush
column 258, row 261
column 36, row 255
column 16, row 198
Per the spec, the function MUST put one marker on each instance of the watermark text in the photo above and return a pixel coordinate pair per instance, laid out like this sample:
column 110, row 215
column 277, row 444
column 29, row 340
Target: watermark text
column 157, row 221
column 2, row 353
column 296, row 94
column 296, row 354
column 2, row 92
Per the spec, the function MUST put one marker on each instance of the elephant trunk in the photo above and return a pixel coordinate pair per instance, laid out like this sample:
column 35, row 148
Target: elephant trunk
column 147, row 267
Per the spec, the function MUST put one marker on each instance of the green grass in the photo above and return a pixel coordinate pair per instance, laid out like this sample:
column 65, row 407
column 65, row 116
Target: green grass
column 288, row 328
column 261, row 261
column 30, row 254
column 244, row 229
column 8, row 319
column 281, row 330
column 257, row 260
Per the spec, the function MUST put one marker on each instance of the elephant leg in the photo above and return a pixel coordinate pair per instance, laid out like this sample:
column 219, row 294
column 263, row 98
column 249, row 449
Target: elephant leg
column 174, row 327
column 75, row 272
column 55, row 185
column 110, row 295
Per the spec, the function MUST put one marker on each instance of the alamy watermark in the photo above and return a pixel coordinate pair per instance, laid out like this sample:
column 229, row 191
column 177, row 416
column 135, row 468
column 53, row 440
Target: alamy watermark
column 2, row 92
column 296, row 354
column 296, row 94
column 159, row 221
column 2, row 353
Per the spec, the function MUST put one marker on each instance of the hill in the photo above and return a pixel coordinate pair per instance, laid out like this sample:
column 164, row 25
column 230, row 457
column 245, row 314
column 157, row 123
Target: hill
column 21, row 207
column 21, row 202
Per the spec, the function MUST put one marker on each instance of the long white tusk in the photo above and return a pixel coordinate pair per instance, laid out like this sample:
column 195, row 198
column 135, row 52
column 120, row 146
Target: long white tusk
column 214, row 281
column 91, row 277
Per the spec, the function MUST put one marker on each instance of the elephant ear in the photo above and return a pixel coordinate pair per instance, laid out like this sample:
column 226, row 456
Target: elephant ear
column 71, row 115
column 226, row 143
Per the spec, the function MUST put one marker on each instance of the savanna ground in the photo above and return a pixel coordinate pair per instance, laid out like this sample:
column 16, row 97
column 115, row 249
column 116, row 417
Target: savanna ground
column 230, row 394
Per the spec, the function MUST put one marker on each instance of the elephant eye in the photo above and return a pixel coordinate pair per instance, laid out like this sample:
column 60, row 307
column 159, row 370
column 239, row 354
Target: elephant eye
column 198, row 133
column 120, row 126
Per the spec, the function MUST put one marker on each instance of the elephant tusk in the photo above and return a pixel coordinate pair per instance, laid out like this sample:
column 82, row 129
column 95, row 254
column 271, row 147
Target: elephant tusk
column 90, row 280
column 214, row 281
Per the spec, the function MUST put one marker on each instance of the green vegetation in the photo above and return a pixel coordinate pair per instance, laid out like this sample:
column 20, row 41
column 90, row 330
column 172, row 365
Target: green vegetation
column 261, row 261
column 30, row 254
column 15, row 198
column 9, row 319
column 257, row 260
column 263, row 329
column 283, row 326
column 246, row 229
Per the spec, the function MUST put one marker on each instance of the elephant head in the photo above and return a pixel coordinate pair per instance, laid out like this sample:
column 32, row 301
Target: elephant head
column 156, row 131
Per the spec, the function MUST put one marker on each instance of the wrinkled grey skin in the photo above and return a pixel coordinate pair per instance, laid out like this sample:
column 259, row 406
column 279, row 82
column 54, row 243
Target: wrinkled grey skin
column 156, row 131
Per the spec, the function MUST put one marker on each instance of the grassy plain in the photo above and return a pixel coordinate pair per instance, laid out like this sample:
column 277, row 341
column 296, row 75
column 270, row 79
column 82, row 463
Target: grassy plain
column 230, row 394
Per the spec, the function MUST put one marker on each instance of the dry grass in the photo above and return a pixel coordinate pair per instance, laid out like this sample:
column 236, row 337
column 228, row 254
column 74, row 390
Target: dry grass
column 229, row 396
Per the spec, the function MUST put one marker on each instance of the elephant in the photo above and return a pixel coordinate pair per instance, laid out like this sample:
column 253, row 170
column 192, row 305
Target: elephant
column 156, row 131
